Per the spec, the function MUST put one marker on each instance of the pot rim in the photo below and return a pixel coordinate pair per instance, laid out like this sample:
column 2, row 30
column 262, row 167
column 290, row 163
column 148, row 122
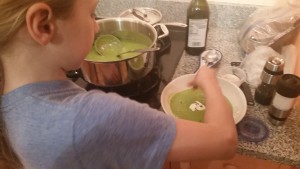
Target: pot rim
column 121, row 60
column 124, row 19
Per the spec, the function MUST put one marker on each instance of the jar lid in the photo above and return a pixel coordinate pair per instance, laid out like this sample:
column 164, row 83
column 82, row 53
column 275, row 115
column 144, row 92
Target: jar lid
column 146, row 14
column 288, row 85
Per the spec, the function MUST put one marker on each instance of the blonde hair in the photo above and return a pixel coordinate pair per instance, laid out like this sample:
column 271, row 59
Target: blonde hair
column 12, row 18
column 12, row 14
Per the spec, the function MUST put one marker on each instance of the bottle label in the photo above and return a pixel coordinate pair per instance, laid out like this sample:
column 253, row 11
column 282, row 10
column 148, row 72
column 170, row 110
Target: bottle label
column 197, row 32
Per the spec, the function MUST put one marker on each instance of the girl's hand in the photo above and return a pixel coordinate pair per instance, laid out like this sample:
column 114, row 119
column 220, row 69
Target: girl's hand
column 204, row 78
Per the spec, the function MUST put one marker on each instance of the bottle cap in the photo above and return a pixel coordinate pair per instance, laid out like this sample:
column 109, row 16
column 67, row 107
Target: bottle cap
column 274, row 65
column 288, row 85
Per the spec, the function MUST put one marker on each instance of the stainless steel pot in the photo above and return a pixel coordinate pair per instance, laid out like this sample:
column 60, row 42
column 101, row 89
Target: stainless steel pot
column 116, row 73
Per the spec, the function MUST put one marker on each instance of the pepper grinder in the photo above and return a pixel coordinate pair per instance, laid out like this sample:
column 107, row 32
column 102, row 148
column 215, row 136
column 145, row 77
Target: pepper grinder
column 287, row 89
column 272, row 71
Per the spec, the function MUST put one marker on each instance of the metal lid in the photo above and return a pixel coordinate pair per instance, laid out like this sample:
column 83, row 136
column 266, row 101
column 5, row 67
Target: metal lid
column 274, row 65
column 146, row 14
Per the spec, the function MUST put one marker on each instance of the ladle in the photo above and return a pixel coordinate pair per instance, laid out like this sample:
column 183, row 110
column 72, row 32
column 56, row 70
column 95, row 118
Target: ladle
column 107, row 45
column 210, row 57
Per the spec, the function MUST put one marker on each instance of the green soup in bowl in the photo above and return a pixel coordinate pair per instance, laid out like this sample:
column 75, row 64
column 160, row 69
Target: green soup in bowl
column 188, row 104
column 180, row 100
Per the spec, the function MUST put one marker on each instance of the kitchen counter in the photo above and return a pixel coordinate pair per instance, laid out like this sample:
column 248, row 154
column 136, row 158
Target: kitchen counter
column 283, row 143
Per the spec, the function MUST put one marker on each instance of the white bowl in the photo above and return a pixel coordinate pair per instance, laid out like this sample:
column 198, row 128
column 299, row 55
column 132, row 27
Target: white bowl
column 233, row 93
column 233, row 74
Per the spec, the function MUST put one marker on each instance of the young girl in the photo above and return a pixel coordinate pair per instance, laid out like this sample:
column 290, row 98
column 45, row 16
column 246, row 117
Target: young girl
column 51, row 123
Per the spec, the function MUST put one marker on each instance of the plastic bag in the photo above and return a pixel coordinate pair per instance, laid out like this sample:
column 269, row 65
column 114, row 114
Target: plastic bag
column 265, row 26
column 254, row 64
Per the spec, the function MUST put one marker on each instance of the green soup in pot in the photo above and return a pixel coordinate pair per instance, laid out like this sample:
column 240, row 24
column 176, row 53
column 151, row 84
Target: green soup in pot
column 130, row 41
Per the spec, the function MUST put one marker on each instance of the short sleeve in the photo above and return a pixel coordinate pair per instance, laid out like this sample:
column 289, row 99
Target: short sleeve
column 114, row 132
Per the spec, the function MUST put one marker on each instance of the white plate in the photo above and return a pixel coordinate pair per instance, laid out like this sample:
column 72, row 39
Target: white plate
column 229, row 90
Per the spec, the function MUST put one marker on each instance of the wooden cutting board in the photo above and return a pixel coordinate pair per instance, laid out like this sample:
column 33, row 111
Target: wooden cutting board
column 297, row 72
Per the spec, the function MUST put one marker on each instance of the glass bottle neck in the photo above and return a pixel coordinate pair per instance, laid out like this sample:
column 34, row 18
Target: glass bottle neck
column 199, row 3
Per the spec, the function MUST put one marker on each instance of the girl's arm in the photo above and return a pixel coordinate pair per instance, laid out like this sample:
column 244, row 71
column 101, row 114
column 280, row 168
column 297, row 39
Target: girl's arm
column 214, row 139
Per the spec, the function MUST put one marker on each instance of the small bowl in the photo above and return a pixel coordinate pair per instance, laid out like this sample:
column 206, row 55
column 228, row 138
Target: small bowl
column 233, row 74
column 233, row 93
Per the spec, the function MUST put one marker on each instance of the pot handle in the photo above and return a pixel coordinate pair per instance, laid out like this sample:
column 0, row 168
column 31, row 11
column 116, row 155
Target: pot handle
column 179, row 24
column 163, row 29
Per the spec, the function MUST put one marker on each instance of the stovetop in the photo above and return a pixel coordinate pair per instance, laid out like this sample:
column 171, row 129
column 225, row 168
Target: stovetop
column 149, row 88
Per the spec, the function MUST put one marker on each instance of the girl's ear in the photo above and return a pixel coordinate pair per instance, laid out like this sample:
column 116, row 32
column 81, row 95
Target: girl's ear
column 39, row 20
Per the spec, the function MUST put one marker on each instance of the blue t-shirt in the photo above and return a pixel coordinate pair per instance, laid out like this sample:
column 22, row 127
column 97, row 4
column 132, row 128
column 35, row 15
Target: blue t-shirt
column 58, row 125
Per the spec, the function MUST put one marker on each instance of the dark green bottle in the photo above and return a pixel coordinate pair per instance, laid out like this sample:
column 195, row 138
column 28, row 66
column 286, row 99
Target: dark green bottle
column 197, row 21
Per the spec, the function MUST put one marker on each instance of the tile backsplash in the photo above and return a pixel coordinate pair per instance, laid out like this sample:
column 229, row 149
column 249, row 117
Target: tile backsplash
column 226, row 15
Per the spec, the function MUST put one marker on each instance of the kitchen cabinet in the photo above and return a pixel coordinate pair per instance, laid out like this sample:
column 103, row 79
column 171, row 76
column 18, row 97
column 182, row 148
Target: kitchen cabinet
column 288, row 167
column 238, row 162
